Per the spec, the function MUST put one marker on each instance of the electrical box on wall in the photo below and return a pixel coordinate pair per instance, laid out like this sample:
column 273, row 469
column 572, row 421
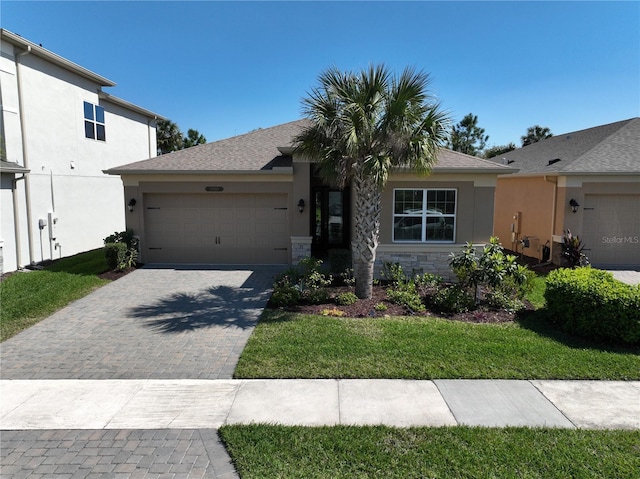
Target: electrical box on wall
column 516, row 222
column 53, row 230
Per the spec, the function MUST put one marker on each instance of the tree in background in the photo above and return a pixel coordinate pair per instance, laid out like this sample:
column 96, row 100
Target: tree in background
column 499, row 150
column 467, row 137
column 170, row 138
column 363, row 126
column 535, row 134
column 193, row 138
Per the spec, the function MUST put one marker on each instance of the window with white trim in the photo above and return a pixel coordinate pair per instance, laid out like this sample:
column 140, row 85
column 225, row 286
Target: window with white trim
column 94, row 122
column 424, row 215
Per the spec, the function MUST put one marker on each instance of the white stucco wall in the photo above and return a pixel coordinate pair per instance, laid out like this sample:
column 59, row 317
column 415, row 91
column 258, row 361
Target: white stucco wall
column 88, row 203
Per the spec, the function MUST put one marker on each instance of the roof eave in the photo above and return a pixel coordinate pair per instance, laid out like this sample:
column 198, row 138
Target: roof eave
column 275, row 171
column 39, row 51
column 129, row 106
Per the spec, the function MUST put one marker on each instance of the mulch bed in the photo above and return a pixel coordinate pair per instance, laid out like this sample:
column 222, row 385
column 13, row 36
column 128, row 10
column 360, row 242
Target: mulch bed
column 366, row 308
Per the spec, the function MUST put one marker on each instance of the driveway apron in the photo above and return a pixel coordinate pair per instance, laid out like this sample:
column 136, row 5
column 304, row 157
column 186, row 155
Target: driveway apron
column 155, row 323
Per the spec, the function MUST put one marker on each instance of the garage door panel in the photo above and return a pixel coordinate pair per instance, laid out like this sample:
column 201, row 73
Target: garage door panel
column 611, row 230
column 220, row 228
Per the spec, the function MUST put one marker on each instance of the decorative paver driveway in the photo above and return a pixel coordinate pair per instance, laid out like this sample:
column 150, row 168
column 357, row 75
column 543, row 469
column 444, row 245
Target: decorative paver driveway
column 154, row 323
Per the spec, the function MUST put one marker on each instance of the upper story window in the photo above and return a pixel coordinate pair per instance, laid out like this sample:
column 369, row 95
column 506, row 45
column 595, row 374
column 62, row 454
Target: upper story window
column 424, row 215
column 94, row 122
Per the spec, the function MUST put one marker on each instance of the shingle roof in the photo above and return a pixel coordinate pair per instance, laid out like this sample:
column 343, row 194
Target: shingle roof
column 259, row 150
column 612, row 148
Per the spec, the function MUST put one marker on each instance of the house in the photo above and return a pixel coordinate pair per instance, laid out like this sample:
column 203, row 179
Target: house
column 250, row 200
column 58, row 131
column 585, row 181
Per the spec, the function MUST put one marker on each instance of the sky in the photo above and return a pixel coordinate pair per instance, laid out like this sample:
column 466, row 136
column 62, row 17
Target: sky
column 226, row 68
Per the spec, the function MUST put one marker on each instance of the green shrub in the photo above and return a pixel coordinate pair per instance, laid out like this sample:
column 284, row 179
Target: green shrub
column 123, row 256
column 505, row 281
column 405, row 294
column 591, row 303
column 346, row 299
column 393, row 273
column 115, row 254
column 496, row 299
column 453, row 299
column 302, row 283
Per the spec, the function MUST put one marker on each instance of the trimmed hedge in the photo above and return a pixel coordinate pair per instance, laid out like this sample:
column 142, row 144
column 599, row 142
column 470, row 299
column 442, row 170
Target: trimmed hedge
column 591, row 303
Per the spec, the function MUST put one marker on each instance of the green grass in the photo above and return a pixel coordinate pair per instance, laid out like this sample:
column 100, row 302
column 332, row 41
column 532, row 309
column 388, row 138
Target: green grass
column 260, row 451
column 27, row 298
column 287, row 345
column 536, row 295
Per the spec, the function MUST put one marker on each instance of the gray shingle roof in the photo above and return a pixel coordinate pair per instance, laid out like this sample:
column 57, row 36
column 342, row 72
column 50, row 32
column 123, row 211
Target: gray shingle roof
column 258, row 151
column 612, row 148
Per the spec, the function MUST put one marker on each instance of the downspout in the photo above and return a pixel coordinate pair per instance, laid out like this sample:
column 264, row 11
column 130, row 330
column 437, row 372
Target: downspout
column 16, row 222
column 553, row 212
column 25, row 156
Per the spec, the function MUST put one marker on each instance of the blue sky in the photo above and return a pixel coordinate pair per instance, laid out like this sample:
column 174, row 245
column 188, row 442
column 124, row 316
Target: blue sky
column 225, row 68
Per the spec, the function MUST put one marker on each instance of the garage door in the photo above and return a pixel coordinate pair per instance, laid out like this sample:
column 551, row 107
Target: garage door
column 216, row 228
column 611, row 230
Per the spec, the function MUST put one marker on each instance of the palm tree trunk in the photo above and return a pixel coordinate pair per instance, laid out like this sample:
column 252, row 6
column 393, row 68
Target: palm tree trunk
column 367, row 199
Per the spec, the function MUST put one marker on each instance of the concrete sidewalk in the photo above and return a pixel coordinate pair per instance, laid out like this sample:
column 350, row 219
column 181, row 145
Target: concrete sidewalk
column 209, row 404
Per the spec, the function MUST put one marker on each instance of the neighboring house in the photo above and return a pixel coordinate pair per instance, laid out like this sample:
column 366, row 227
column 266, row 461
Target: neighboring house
column 58, row 132
column 250, row 200
column 587, row 182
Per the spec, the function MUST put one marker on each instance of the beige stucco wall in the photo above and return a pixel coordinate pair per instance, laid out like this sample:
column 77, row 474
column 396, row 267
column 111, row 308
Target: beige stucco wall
column 545, row 211
column 533, row 199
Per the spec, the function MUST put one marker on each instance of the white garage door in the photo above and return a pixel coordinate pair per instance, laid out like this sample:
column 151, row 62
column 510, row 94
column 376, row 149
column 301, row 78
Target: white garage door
column 216, row 228
column 611, row 230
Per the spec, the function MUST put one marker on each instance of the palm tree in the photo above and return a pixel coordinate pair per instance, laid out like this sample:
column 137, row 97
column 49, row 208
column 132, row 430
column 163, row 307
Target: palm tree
column 168, row 137
column 362, row 126
column 535, row 134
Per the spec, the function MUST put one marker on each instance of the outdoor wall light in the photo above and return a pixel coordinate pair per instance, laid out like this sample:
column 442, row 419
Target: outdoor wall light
column 301, row 205
column 574, row 205
column 131, row 204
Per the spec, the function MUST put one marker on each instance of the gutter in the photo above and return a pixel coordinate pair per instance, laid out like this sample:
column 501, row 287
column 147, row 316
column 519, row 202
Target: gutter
column 554, row 204
column 16, row 222
column 25, row 155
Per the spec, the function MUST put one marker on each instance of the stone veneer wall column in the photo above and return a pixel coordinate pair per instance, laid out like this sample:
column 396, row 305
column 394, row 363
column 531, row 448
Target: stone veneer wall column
column 416, row 263
column 300, row 248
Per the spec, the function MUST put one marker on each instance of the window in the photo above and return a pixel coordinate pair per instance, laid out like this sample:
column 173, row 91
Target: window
column 94, row 122
column 424, row 215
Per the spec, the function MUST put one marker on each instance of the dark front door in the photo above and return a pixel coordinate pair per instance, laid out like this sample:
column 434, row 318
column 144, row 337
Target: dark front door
column 330, row 219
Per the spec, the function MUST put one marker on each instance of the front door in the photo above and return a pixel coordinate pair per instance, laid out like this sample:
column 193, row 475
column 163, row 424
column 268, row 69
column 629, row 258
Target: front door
column 330, row 219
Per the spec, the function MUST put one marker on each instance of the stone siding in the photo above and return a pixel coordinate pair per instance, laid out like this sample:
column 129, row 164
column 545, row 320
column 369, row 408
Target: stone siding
column 300, row 248
column 416, row 263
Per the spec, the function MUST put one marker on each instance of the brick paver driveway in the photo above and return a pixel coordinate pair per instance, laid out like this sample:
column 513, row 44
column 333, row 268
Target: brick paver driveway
column 155, row 323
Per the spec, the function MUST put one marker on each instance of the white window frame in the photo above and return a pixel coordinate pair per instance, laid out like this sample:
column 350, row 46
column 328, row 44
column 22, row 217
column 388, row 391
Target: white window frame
column 424, row 215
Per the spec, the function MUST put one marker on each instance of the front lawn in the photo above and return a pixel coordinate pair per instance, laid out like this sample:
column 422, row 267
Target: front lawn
column 29, row 297
column 290, row 345
column 260, row 451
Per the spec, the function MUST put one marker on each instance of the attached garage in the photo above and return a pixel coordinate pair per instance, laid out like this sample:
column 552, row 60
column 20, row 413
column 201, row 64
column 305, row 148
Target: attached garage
column 611, row 230
column 221, row 228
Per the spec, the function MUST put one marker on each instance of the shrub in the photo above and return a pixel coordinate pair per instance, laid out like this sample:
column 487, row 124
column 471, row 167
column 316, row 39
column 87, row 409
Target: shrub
column 572, row 250
column 393, row 273
column 304, row 282
column 346, row 299
column 452, row 299
column 380, row 307
column 405, row 294
column 500, row 272
column 115, row 254
column 126, row 254
column 591, row 303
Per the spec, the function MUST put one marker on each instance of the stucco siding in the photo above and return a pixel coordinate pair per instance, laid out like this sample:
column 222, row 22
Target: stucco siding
column 66, row 168
column 533, row 200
